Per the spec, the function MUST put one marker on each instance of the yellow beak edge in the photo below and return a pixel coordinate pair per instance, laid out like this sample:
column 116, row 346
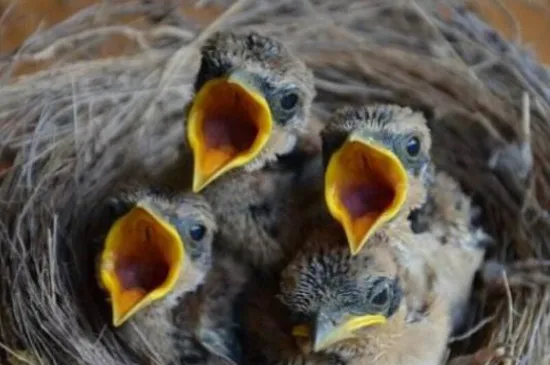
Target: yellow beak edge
column 365, row 186
column 325, row 335
column 140, row 263
column 229, row 124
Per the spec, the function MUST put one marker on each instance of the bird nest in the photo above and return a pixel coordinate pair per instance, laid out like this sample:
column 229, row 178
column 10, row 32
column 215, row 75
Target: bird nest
column 84, row 122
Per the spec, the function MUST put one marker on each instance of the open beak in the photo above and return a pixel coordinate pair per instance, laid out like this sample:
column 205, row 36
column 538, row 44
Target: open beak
column 325, row 333
column 228, row 125
column 365, row 186
column 140, row 262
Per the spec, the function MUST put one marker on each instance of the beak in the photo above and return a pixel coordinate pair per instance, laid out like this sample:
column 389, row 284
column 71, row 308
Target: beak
column 365, row 186
column 140, row 262
column 228, row 125
column 325, row 333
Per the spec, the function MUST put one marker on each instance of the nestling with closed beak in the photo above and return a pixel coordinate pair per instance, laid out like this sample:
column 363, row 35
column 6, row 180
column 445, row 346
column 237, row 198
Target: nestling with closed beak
column 349, row 309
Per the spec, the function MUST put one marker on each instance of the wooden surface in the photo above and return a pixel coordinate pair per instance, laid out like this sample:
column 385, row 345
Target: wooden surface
column 23, row 18
column 532, row 27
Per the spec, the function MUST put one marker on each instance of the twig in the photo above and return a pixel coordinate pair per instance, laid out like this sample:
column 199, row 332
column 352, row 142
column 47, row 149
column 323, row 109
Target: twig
column 526, row 118
column 516, row 26
column 71, row 41
column 473, row 330
column 182, row 55
column 509, row 300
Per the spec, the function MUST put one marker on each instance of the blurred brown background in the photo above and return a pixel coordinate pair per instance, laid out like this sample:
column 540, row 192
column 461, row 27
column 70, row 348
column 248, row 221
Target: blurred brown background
column 22, row 17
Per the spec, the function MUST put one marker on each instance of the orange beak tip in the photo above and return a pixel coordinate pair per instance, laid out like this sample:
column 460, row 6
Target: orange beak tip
column 198, row 183
column 355, row 249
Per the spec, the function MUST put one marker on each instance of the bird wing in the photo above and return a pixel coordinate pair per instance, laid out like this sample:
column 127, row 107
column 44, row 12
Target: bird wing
column 457, row 244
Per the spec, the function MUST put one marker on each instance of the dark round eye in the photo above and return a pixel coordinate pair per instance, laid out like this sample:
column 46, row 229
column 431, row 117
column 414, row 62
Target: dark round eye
column 380, row 298
column 289, row 101
column 197, row 232
column 413, row 146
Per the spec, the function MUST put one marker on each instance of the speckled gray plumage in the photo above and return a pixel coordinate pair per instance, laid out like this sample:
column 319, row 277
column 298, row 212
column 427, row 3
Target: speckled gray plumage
column 206, row 323
column 326, row 274
column 257, row 212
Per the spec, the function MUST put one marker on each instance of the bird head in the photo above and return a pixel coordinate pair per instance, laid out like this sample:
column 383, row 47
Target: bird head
column 252, row 98
column 159, row 247
column 377, row 161
column 334, row 296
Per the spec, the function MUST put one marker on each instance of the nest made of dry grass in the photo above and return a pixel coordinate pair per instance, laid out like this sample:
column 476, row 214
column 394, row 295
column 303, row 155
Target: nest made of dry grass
column 82, row 124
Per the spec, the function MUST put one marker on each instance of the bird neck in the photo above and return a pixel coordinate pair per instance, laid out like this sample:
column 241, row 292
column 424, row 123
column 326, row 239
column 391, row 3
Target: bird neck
column 416, row 196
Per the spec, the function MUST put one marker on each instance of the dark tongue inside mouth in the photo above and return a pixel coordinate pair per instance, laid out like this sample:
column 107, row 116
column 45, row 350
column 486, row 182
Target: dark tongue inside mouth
column 222, row 132
column 134, row 273
column 365, row 199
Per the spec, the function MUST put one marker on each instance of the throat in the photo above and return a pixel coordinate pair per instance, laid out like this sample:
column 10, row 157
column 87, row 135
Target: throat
column 134, row 274
column 366, row 199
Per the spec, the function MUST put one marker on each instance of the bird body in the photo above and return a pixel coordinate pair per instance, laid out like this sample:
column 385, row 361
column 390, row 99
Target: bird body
column 205, row 322
column 402, row 342
column 253, row 210
column 456, row 246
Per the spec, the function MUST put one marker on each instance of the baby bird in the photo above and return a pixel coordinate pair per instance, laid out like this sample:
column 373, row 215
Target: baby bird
column 377, row 171
column 376, row 160
column 252, row 101
column 349, row 308
column 251, row 105
column 157, row 252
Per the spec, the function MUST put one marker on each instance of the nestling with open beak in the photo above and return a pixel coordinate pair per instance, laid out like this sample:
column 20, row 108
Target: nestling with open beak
column 377, row 171
column 349, row 309
column 252, row 102
column 376, row 160
column 157, row 250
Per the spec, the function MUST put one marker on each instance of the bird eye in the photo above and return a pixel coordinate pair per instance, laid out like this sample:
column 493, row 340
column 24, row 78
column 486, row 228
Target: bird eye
column 197, row 232
column 381, row 297
column 413, row 146
column 289, row 101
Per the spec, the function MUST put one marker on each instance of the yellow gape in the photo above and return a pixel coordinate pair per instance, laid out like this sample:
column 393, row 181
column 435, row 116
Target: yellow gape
column 365, row 186
column 140, row 263
column 228, row 125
